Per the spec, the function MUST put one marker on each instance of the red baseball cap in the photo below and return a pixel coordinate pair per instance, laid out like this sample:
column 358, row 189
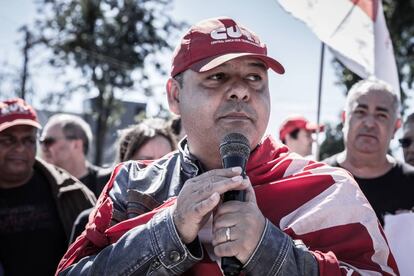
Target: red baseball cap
column 214, row 41
column 297, row 122
column 17, row 112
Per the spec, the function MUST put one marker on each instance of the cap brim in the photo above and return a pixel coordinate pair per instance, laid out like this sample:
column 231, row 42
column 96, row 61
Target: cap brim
column 210, row 63
column 17, row 122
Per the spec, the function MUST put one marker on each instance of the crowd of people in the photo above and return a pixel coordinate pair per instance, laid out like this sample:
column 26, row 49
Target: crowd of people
column 159, row 209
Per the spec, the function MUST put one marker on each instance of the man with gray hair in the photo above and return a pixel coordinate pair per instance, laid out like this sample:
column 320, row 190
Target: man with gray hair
column 407, row 140
column 371, row 118
column 65, row 142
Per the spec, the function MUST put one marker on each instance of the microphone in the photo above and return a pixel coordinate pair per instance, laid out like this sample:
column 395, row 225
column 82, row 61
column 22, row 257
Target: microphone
column 234, row 152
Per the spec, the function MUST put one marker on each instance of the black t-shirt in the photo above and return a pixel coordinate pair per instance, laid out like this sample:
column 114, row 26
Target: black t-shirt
column 387, row 193
column 32, row 238
column 96, row 178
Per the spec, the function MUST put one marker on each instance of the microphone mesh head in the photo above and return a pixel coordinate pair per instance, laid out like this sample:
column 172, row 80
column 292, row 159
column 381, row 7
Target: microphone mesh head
column 235, row 144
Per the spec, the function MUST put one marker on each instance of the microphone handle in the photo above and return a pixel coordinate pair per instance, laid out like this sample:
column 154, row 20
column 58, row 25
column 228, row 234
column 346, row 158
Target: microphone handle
column 231, row 266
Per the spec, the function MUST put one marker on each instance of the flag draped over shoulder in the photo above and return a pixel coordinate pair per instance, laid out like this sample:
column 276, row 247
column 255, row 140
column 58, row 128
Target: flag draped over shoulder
column 312, row 202
column 355, row 31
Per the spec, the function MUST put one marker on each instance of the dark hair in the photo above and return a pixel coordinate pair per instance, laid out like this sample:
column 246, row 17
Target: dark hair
column 133, row 138
column 180, row 79
column 294, row 134
column 176, row 125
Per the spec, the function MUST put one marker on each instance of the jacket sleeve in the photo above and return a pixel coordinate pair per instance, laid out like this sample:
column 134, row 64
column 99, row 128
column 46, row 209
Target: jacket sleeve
column 154, row 247
column 278, row 254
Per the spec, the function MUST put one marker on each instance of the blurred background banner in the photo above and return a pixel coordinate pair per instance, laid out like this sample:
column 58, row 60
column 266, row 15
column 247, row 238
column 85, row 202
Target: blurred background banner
column 355, row 31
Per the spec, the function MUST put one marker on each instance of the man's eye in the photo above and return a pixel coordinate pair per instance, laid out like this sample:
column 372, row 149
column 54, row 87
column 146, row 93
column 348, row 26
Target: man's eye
column 254, row 77
column 216, row 77
column 29, row 141
column 6, row 141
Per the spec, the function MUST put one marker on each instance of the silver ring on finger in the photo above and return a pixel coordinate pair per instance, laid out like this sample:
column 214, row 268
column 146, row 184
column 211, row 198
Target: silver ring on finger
column 228, row 234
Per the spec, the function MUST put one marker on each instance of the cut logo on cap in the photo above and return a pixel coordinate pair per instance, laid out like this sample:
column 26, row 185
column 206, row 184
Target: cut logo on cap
column 232, row 34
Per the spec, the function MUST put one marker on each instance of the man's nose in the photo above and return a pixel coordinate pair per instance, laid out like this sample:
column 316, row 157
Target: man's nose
column 239, row 91
column 369, row 120
column 19, row 146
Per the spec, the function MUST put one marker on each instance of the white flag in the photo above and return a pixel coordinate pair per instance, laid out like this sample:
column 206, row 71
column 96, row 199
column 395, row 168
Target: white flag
column 355, row 31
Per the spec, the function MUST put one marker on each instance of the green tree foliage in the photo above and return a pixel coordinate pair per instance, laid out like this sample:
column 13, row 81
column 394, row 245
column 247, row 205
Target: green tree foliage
column 400, row 21
column 112, row 42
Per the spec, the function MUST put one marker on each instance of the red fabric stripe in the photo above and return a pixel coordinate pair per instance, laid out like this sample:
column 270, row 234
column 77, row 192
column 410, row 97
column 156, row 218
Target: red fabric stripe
column 369, row 7
column 276, row 200
column 352, row 236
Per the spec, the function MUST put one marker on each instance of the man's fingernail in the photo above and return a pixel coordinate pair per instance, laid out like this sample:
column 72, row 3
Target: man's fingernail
column 237, row 178
column 236, row 169
column 214, row 196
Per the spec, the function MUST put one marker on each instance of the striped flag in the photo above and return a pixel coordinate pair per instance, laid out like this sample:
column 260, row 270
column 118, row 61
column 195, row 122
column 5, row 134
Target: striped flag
column 355, row 31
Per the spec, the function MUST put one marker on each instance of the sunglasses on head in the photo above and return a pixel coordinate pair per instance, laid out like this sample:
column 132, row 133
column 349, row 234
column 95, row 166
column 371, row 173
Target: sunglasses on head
column 405, row 142
column 49, row 141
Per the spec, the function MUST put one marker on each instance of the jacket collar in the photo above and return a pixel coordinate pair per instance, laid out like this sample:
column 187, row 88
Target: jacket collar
column 190, row 165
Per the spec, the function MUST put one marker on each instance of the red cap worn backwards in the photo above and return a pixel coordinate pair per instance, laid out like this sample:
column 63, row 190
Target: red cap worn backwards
column 297, row 122
column 214, row 41
column 17, row 112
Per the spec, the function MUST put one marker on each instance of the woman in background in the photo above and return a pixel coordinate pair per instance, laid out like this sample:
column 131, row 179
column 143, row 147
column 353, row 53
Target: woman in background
column 149, row 140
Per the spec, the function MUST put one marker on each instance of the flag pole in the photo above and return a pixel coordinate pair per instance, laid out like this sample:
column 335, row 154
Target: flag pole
column 318, row 114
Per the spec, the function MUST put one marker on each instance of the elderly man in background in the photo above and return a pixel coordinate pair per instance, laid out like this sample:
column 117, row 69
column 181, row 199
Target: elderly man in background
column 371, row 118
column 65, row 142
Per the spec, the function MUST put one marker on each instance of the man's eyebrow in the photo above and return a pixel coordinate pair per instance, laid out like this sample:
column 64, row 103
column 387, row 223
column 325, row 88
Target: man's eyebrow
column 361, row 105
column 384, row 109
column 377, row 108
column 258, row 64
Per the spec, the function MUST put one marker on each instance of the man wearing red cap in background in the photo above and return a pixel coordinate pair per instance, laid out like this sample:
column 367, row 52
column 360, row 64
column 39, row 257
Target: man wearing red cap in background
column 296, row 133
column 167, row 218
column 38, row 202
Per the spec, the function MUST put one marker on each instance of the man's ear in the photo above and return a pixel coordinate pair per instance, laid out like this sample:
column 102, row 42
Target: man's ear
column 397, row 126
column 343, row 116
column 173, row 95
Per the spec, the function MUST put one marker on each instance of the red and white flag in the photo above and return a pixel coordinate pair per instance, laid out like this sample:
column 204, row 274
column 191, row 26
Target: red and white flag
column 355, row 31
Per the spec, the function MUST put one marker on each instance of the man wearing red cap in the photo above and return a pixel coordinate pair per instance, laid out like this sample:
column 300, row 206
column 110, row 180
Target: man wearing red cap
column 296, row 133
column 38, row 202
column 167, row 218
